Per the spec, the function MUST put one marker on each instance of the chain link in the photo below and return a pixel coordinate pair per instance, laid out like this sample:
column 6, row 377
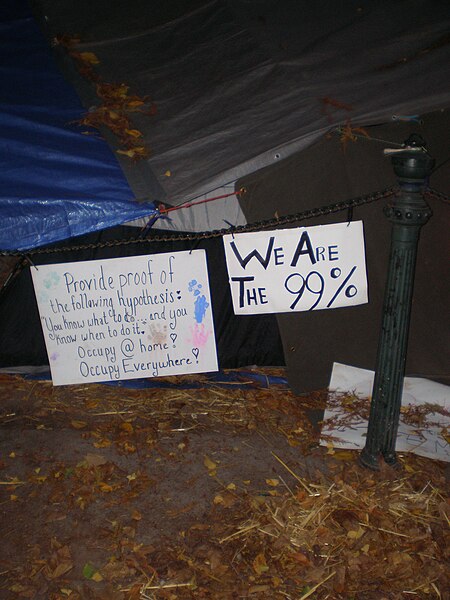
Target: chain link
column 257, row 226
column 435, row 195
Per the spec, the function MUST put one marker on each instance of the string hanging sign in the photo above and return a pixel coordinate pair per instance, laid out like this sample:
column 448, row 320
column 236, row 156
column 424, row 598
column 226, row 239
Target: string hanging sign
column 302, row 269
column 127, row 318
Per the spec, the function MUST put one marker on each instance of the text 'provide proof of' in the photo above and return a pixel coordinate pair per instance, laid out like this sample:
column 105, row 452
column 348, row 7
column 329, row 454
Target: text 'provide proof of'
column 127, row 318
column 287, row 270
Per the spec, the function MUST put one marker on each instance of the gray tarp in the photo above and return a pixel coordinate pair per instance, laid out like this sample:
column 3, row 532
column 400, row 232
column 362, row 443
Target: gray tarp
column 239, row 85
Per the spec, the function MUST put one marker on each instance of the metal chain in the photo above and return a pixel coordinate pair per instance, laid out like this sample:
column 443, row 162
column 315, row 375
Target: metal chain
column 257, row 226
column 435, row 195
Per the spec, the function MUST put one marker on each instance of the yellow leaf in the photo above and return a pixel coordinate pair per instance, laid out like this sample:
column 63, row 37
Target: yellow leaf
column 231, row 486
column 134, row 103
column 259, row 564
column 330, row 448
column 12, row 455
column 13, row 498
column 273, row 482
column 344, row 454
column 90, row 58
column 78, row 424
column 132, row 477
column 218, row 499
column 167, row 173
column 355, row 534
column 129, row 153
column 97, row 577
column 134, row 133
column 209, row 464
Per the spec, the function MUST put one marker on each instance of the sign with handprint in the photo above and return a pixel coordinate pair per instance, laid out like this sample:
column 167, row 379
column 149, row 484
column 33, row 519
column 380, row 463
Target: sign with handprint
column 288, row 270
column 127, row 318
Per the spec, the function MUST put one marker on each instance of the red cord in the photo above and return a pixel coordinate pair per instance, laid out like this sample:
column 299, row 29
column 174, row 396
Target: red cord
column 189, row 204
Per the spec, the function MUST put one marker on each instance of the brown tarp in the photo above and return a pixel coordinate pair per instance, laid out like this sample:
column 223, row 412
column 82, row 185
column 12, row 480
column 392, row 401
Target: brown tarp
column 328, row 172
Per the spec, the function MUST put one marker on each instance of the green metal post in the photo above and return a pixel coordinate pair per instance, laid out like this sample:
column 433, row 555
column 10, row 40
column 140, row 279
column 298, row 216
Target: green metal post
column 407, row 213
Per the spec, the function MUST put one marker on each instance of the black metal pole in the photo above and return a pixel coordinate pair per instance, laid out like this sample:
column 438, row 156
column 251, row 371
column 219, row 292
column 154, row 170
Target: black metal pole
column 407, row 213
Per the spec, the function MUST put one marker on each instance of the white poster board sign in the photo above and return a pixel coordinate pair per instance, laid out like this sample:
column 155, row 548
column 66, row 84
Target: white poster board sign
column 302, row 269
column 127, row 318
column 347, row 428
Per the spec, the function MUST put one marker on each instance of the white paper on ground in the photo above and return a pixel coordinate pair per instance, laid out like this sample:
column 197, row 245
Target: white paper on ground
column 428, row 440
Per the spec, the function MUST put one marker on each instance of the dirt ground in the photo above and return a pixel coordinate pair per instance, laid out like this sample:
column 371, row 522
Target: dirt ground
column 205, row 490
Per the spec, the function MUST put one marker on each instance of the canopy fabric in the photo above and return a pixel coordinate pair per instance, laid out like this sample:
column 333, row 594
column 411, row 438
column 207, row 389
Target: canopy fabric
column 238, row 86
column 56, row 183
column 242, row 85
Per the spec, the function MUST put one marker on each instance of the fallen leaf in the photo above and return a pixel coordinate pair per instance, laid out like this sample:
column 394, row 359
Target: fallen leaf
column 134, row 133
column 256, row 589
column 355, row 534
column 102, row 443
column 300, row 558
column 78, row 424
column 209, row 464
column 61, row 569
column 89, row 57
column 94, row 460
column 127, row 426
column 135, row 103
column 344, row 454
column 273, row 482
column 260, row 565
column 89, row 572
column 105, row 487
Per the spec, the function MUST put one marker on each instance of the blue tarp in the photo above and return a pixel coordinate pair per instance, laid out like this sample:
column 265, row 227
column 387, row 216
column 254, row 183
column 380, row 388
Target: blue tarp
column 55, row 182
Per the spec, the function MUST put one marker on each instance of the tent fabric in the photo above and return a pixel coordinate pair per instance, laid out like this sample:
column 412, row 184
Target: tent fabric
column 55, row 182
column 241, row 85
column 325, row 173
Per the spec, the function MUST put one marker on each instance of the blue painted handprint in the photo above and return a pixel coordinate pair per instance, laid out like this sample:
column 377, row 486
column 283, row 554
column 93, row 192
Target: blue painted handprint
column 200, row 304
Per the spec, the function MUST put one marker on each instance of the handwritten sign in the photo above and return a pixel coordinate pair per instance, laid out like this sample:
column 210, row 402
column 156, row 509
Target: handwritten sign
column 125, row 318
column 308, row 268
